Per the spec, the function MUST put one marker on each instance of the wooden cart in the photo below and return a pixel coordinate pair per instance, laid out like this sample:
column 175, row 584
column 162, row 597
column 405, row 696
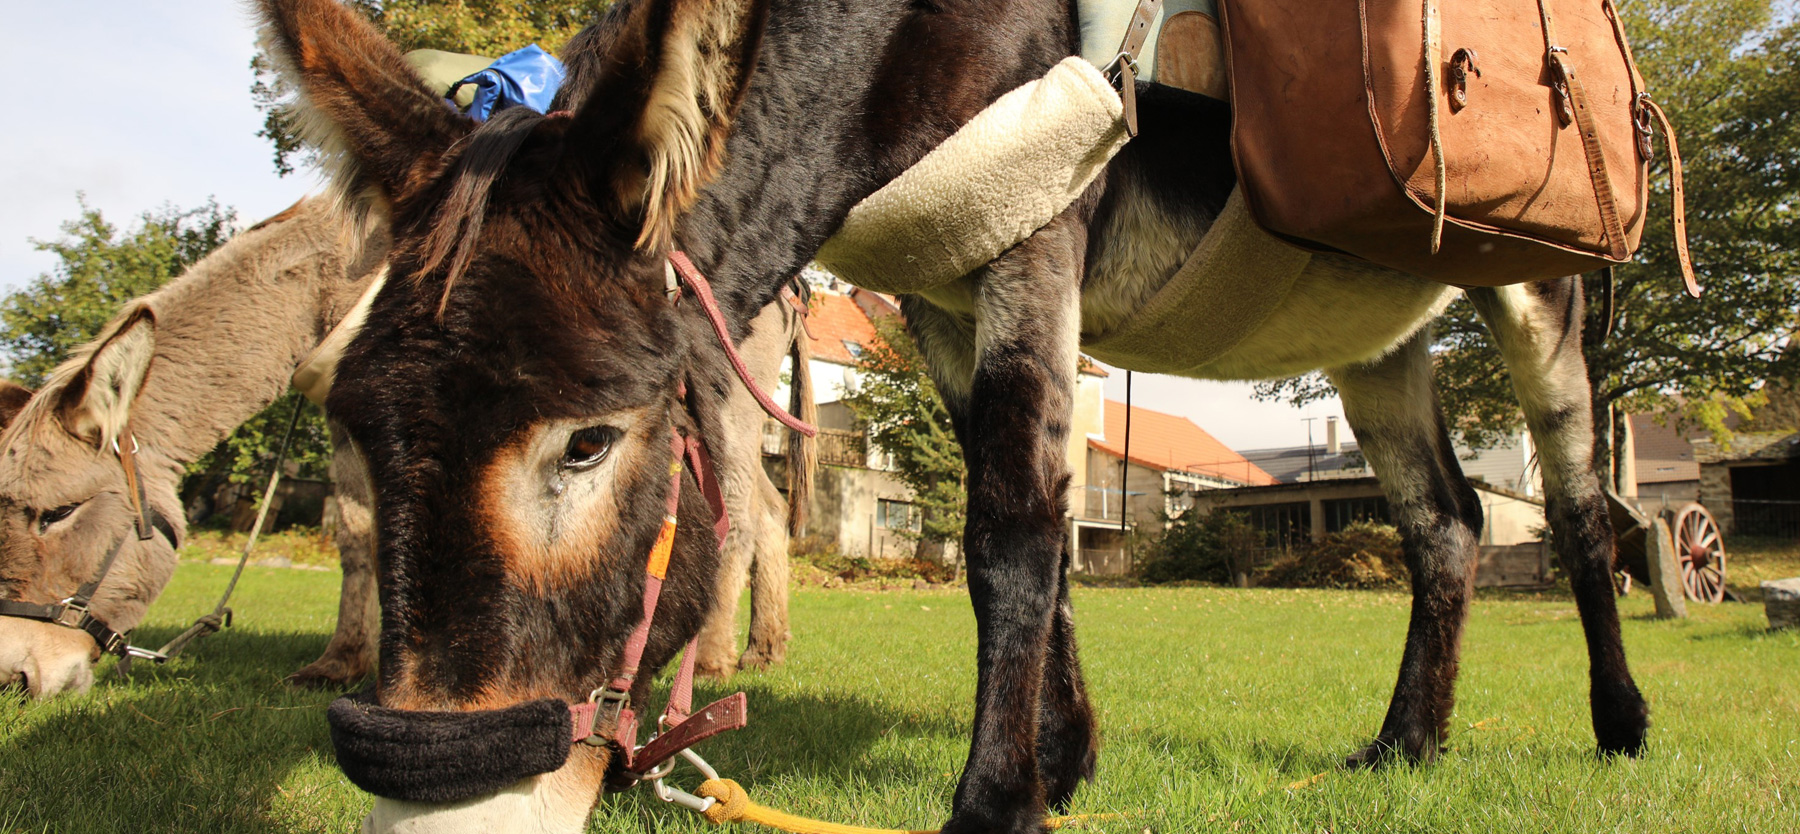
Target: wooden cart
column 1698, row 545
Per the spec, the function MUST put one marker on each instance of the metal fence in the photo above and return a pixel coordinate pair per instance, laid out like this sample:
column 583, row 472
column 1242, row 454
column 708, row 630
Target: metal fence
column 1752, row 517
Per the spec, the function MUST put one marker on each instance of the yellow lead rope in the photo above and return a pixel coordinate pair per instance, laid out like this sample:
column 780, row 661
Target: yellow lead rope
column 732, row 804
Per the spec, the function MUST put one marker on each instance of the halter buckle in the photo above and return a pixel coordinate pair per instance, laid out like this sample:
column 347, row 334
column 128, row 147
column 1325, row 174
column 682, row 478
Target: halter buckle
column 72, row 614
column 612, row 702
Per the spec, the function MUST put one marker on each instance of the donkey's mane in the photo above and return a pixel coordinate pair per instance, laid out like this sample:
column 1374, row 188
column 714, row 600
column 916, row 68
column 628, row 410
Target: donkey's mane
column 494, row 144
column 473, row 176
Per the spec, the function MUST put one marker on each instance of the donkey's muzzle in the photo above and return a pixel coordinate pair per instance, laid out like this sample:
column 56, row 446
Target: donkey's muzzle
column 428, row 756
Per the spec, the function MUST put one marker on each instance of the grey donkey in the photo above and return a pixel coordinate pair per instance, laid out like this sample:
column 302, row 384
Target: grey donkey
column 177, row 370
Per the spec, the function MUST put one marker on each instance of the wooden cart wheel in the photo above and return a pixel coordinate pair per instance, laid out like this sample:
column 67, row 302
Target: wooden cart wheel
column 1700, row 550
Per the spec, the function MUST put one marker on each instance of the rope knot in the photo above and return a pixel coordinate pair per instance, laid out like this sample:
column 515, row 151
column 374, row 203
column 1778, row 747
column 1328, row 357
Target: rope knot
column 730, row 800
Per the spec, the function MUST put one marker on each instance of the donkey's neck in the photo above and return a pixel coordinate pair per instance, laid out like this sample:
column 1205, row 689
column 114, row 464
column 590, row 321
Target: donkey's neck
column 231, row 330
column 846, row 96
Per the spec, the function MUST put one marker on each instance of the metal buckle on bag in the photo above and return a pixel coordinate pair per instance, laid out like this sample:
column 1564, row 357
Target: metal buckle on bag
column 1641, row 120
column 1112, row 69
column 1462, row 62
column 1559, row 81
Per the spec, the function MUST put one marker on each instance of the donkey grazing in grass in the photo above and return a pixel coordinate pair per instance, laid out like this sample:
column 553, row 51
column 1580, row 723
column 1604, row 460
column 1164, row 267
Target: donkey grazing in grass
column 180, row 368
column 515, row 388
column 173, row 374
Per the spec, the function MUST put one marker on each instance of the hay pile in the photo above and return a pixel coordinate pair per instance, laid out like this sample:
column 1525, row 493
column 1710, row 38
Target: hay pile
column 1365, row 555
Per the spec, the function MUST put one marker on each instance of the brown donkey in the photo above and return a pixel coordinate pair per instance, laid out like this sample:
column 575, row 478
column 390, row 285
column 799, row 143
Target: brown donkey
column 517, row 384
column 176, row 372
column 171, row 376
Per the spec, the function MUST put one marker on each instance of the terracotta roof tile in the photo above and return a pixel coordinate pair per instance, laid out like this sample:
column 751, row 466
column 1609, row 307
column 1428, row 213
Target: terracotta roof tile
column 834, row 321
column 1167, row 442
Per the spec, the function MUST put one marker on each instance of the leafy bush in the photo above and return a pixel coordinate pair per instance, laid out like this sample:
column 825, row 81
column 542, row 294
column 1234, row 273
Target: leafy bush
column 1363, row 555
column 1208, row 547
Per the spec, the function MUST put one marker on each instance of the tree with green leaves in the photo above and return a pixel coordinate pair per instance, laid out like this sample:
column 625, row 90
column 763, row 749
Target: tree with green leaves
column 895, row 402
column 100, row 268
column 1728, row 72
column 477, row 27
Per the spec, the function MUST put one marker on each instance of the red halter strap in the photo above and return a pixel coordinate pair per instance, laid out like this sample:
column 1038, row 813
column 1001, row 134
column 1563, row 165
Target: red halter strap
column 703, row 293
column 613, row 701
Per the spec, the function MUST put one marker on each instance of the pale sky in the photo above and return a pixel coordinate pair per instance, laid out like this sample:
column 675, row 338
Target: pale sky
column 139, row 104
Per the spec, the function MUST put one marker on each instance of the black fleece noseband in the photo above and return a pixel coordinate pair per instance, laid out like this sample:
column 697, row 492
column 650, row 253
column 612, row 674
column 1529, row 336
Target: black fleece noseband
column 425, row 756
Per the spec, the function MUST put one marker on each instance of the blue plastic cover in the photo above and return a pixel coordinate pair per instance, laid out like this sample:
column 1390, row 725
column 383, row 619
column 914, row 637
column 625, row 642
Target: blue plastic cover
column 527, row 77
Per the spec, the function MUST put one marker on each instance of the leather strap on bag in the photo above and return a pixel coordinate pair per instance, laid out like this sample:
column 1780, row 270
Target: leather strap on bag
column 1123, row 69
column 1574, row 108
column 1434, row 90
column 1677, row 195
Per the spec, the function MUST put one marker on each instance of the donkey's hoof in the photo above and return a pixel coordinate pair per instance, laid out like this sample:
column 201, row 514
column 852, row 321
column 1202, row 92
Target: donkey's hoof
column 1620, row 727
column 715, row 669
column 1386, row 750
column 1622, row 738
column 327, row 674
column 1059, row 789
column 760, row 658
column 981, row 824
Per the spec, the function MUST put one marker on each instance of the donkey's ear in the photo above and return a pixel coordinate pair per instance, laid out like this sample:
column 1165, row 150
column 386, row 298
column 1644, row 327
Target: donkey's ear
column 13, row 398
column 96, row 404
column 673, row 80
column 376, row 123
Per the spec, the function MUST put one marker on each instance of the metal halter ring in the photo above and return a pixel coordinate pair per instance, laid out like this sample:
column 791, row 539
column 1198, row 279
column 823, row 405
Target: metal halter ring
column 678, row 796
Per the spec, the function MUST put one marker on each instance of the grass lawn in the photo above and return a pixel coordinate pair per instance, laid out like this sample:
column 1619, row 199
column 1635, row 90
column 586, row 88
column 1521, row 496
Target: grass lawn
column 1221, row 710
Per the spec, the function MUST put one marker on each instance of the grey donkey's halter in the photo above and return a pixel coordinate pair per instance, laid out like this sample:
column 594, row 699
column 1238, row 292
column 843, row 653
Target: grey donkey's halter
column 73, row 611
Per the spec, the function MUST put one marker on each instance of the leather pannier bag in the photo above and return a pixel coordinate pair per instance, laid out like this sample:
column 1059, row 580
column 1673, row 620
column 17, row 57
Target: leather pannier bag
column 1520, row 151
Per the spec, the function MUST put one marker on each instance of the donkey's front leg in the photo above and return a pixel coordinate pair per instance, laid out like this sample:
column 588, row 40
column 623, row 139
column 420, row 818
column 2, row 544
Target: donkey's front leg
column 1538, row 328
column 1014, row 429
column 350, row 656
column 1393, row 408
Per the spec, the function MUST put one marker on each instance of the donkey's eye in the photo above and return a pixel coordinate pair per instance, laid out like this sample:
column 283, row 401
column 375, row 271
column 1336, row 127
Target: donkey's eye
column 588, row 447
column 49, row 517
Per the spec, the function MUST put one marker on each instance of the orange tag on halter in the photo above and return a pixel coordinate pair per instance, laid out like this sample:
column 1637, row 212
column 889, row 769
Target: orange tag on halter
column 659, row 552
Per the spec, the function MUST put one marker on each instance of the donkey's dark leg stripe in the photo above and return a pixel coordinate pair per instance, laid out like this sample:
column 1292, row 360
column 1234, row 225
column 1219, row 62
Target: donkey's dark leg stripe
column 1539, row 333
column 1392, row 407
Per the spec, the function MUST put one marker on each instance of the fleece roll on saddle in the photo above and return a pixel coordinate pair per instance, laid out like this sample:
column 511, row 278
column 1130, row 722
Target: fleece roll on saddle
column 1005, row 174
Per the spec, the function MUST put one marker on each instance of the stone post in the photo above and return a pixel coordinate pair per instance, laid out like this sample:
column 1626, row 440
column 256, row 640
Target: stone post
column 1665, row 573
column 1781, row 601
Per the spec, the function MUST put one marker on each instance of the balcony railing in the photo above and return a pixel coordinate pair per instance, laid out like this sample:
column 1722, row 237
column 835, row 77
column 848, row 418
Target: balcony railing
column 1103, row 503
column 842, row 448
